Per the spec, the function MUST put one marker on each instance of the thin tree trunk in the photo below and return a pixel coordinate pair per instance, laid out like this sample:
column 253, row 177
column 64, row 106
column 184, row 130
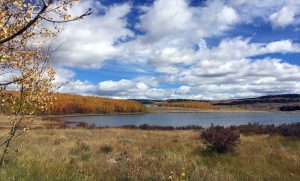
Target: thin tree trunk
column 2, row 159
column 7, row 143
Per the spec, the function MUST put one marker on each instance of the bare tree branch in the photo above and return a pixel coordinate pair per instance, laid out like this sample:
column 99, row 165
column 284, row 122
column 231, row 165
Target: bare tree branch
column 28, row 25
column 13, row 81
column 87, row 13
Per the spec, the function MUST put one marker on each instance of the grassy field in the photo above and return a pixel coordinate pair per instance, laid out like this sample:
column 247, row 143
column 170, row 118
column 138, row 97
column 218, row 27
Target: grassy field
column 121, row 154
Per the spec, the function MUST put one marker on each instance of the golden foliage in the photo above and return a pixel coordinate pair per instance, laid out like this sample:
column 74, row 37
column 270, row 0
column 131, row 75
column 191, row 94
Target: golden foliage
column 77, row 104
column 70, row 104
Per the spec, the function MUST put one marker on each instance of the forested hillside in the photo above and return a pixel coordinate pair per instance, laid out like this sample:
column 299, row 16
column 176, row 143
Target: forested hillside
column 70, row 104
column 77, row 104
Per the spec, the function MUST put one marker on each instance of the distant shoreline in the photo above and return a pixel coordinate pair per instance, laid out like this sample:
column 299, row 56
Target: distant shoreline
column 94, row 114
column 172, row 111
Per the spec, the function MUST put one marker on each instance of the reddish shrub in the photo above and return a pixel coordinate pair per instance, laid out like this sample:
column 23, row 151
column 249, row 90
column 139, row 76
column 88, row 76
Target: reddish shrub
column 221, row 139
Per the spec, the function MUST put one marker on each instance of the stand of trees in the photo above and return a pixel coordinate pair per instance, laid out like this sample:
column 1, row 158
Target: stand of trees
column 72, row 104
column 289, row 108
column 77, row 104
column 189, row 104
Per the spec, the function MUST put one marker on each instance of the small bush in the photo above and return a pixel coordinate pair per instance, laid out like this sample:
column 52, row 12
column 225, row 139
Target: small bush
column 221, row 139
column 106, row 148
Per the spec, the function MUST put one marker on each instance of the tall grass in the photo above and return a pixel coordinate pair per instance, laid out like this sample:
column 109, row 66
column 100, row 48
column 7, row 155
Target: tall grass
column 77, row 154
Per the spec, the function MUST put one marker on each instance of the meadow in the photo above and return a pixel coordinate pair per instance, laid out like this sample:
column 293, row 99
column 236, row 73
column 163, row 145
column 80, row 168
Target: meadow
column 133, row 154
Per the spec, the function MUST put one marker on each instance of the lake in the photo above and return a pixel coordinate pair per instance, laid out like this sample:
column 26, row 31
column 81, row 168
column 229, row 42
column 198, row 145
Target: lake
column 184, row 119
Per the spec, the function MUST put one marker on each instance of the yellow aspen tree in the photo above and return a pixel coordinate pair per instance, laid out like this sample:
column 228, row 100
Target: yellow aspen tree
column 26, row 74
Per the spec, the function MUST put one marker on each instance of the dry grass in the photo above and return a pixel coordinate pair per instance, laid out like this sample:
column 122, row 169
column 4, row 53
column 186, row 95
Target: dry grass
column 37, row 122
column 76, row 154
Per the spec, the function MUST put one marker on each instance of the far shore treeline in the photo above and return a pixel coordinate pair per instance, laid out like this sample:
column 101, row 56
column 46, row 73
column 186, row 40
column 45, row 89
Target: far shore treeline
column 71, row 104
column 188, row 104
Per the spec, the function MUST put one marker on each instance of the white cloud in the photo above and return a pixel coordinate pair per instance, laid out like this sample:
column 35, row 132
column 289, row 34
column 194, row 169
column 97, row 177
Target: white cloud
column 167, row 70
column 168, row 18
column 129, row 89
column 121, row 85
column 280, row 13
column 63, row 75
column 150, row 81
column 228, row 16
column 284, row 17
column 90, row 42
column 184, row 89
column 79, row 87
column 239, row 48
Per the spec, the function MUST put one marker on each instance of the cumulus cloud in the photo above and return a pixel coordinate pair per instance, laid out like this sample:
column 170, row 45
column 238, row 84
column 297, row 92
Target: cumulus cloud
column 90, row 42
column 166, row 20
column 228, row 16
column 279, row 13
column 63, row 75
column 238, row 48
column 284, row 17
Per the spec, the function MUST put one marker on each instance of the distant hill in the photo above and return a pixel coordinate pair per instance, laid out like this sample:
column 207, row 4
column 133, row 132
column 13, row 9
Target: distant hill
column 292, row 96
column 282, row 102
column 284, row 98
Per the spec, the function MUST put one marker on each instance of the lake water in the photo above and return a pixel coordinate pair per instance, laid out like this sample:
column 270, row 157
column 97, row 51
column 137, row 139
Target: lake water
column 184, row 119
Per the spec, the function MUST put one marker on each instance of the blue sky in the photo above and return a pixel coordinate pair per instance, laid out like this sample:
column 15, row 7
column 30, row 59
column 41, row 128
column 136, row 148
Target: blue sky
column 194, row 49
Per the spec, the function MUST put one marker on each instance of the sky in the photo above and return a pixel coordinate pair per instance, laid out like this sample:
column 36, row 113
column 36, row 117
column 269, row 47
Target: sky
column 189, row 49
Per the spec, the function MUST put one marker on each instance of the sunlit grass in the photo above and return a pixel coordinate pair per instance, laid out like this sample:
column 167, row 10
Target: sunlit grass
column 77, row 154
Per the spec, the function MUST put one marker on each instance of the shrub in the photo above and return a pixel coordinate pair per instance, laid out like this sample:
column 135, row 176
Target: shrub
column 221, row 139
column 287, row 130
column 106, row 148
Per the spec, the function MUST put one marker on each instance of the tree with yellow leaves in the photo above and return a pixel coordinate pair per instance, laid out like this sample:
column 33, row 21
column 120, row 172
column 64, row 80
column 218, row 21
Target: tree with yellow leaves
column 26, row 26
